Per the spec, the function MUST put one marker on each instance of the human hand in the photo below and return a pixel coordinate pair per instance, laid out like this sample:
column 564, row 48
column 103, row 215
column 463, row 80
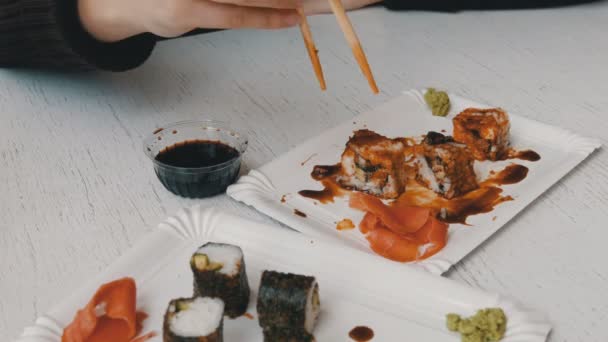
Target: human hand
column 115, row 20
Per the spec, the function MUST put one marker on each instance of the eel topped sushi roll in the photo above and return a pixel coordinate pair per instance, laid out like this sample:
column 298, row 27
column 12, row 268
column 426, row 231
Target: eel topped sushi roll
column 444, row 166
column 372, row 163
column 198, row 319
column 219, row 271
column 484, row 131
column 288, row 307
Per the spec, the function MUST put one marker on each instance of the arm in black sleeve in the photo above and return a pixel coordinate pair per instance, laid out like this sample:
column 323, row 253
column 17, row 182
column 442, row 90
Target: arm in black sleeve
column 456, row 5
column 48, row 34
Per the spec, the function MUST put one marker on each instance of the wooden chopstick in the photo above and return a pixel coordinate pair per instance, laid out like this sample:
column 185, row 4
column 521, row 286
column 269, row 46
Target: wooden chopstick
column 353, row 41
column 312, row 50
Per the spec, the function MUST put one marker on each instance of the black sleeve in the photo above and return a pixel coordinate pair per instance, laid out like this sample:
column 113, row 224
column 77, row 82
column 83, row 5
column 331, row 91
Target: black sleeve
column 48, row 34
column 456, row 5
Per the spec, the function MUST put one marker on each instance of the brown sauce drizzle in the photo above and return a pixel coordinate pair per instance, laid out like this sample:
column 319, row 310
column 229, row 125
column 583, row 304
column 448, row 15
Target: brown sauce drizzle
column 299, row 213
column 361, row 334
column 528, row 155
column 512, row 174
column 479, row 201
column 331, row 189
column 158, row 130
column 320, row 172
column 308, row 159
column 455, row 210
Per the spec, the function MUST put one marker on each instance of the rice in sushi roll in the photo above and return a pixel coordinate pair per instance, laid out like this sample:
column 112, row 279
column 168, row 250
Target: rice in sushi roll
column 199, row 319
column 219, row 271
column 288, row 306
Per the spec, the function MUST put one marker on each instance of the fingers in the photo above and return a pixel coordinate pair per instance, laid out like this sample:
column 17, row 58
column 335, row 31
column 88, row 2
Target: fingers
column 208, row 14
column 280, row 4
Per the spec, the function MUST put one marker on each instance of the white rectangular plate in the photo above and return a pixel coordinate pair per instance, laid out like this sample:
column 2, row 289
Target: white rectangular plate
column 399, row 304
column 406, row 115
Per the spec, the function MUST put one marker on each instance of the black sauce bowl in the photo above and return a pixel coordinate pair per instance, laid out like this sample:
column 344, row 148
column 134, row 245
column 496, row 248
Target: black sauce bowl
column 196, row 182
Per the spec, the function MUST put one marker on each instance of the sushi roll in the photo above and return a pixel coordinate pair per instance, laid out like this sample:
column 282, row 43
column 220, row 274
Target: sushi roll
column 372, row 163
column 198, row 319
column 219, row 271
column 274, row 334
column 484, row 131
column 288, row 306
column 444, row 166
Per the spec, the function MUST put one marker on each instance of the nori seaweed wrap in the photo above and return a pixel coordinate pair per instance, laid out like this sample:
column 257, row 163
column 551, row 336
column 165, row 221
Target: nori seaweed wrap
column 287, row 335
column 199, row 319
column 219, row 271
column 288, row 306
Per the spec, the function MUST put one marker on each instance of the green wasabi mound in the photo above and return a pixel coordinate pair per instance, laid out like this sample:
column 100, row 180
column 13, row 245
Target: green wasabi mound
column 438, row 102
column 488, row 325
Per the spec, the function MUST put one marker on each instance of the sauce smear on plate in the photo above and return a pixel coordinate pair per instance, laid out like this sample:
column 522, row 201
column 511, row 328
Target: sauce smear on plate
column 512, row 174
column 361, row 334
column 479, row 201
column 528, row 155
column 331, row 189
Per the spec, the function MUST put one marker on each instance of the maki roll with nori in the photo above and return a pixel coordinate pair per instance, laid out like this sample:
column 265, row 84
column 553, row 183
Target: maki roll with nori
column 199, row 319
column 288, row 307
column 274, row 334
column 219, row 271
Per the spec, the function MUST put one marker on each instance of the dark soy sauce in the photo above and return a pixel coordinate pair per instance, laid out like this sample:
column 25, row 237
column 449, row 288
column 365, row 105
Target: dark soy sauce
column 198, row 168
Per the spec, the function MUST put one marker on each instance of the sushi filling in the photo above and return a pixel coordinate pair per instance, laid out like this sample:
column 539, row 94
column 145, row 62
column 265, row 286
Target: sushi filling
column 313, row 308
column 225, row 259
column 426, row 175
column 198, row 317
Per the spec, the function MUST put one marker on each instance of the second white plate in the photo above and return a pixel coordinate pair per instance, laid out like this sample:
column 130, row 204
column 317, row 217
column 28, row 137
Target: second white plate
column 399, row 304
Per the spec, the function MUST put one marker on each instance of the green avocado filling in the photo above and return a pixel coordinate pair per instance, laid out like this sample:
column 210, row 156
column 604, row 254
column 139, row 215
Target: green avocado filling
column 202, row 263
column 182, row 306
column 438, row 101
column 488, row 325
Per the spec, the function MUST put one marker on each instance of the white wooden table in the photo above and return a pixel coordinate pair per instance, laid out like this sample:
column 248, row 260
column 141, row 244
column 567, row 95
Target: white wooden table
column 77, row 191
